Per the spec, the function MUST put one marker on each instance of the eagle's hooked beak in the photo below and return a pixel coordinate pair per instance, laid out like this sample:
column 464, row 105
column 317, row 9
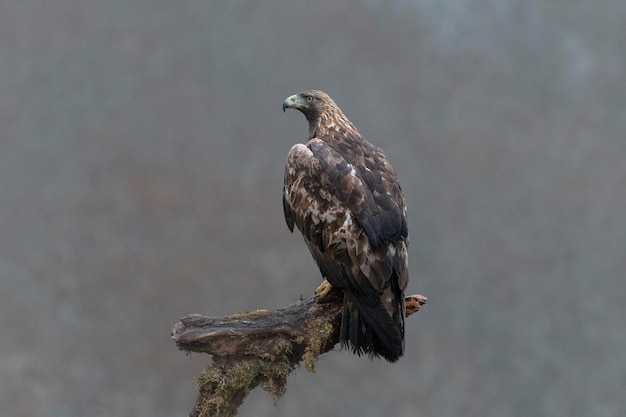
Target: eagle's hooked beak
column 292, row 102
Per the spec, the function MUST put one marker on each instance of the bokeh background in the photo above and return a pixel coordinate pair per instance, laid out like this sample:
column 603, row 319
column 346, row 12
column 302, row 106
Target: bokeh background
column 142, row 146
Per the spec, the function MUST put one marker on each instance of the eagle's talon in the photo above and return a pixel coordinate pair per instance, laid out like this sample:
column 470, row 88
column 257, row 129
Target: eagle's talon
column 324, row 288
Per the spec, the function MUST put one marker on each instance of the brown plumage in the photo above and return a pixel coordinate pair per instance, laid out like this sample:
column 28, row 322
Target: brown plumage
column 344, row 197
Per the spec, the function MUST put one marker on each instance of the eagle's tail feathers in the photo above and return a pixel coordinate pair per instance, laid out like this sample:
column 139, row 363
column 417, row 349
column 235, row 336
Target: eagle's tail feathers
column 368, row 329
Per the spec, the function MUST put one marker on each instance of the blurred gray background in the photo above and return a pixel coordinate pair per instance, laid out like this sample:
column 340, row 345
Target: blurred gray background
column 142, row 146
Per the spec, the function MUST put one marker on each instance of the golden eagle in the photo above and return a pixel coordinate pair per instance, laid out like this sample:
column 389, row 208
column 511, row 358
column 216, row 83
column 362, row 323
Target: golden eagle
column 343, row 195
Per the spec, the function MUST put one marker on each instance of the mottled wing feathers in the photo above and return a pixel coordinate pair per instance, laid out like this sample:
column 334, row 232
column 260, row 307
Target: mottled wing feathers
column 356, row 231
column 390, row 222
column 368, row 192
column 321, row 194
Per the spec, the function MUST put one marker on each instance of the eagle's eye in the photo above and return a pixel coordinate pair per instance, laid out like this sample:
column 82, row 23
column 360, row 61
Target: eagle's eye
column 309, row 99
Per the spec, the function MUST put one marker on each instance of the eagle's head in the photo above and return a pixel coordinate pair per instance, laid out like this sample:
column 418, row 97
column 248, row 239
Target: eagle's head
column 319, row 109
column 310, row 102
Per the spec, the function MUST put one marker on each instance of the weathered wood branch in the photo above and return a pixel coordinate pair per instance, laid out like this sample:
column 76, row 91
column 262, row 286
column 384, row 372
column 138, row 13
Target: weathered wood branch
column 261, row 347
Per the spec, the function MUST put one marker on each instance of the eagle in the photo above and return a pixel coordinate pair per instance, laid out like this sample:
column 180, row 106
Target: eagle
column 344, row 197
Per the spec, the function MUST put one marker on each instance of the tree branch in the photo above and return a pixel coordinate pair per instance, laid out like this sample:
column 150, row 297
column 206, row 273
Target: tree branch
column 261, row 347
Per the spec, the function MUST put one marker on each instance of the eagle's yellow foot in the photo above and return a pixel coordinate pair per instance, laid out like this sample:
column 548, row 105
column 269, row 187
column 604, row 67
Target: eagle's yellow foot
column 324, row 288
